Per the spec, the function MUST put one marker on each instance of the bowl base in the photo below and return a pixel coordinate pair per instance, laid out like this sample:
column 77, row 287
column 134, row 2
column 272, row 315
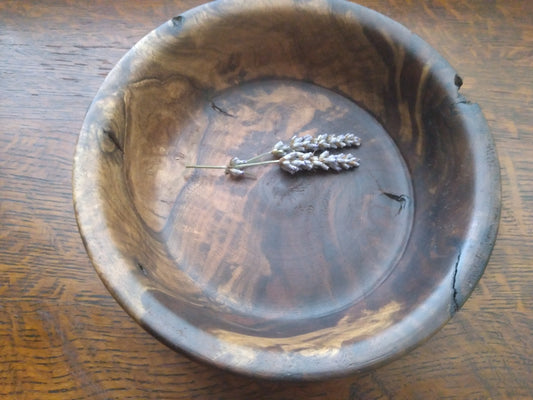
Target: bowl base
column 284, row 246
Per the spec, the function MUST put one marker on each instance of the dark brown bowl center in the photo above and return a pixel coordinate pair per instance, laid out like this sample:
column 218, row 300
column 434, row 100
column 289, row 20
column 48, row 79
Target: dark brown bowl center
column 282, row 246
column 285, row 276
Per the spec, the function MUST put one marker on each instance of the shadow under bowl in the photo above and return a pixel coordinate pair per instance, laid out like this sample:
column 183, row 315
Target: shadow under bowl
column 302, row 276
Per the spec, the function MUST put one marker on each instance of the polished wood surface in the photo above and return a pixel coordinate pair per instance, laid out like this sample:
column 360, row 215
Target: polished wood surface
column 286, row 276
column 64, row 336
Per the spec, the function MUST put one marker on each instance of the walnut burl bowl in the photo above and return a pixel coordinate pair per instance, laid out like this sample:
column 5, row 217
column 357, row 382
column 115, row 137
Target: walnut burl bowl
column 303, row 276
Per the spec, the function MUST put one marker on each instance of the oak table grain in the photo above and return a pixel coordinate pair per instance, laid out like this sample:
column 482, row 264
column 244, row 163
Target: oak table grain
column 61, row 333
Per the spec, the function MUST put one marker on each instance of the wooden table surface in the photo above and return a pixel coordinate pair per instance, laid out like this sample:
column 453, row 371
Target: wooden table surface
column 63, row 336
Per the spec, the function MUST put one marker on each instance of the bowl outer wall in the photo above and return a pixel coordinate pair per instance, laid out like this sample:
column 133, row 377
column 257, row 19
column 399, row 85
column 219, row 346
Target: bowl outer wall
column 417, row 327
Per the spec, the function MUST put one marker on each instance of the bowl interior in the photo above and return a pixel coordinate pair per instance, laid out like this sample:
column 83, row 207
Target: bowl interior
column 286, row 276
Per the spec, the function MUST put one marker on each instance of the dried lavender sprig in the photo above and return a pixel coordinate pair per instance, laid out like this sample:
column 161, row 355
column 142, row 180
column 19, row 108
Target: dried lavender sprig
column 300, row 161
column 309, row 143
column 326, row 141
column 296, row 161
column 292, row 162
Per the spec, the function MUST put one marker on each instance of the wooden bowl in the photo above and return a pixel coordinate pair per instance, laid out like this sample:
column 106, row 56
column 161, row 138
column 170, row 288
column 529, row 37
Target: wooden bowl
column 301, row 276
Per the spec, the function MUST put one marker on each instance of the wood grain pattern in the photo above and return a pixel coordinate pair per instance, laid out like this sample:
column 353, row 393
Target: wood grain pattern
column 62, row 335
column 286, row 277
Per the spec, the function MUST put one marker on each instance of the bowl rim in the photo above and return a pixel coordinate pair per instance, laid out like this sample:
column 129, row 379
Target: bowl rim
column 427, row 318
